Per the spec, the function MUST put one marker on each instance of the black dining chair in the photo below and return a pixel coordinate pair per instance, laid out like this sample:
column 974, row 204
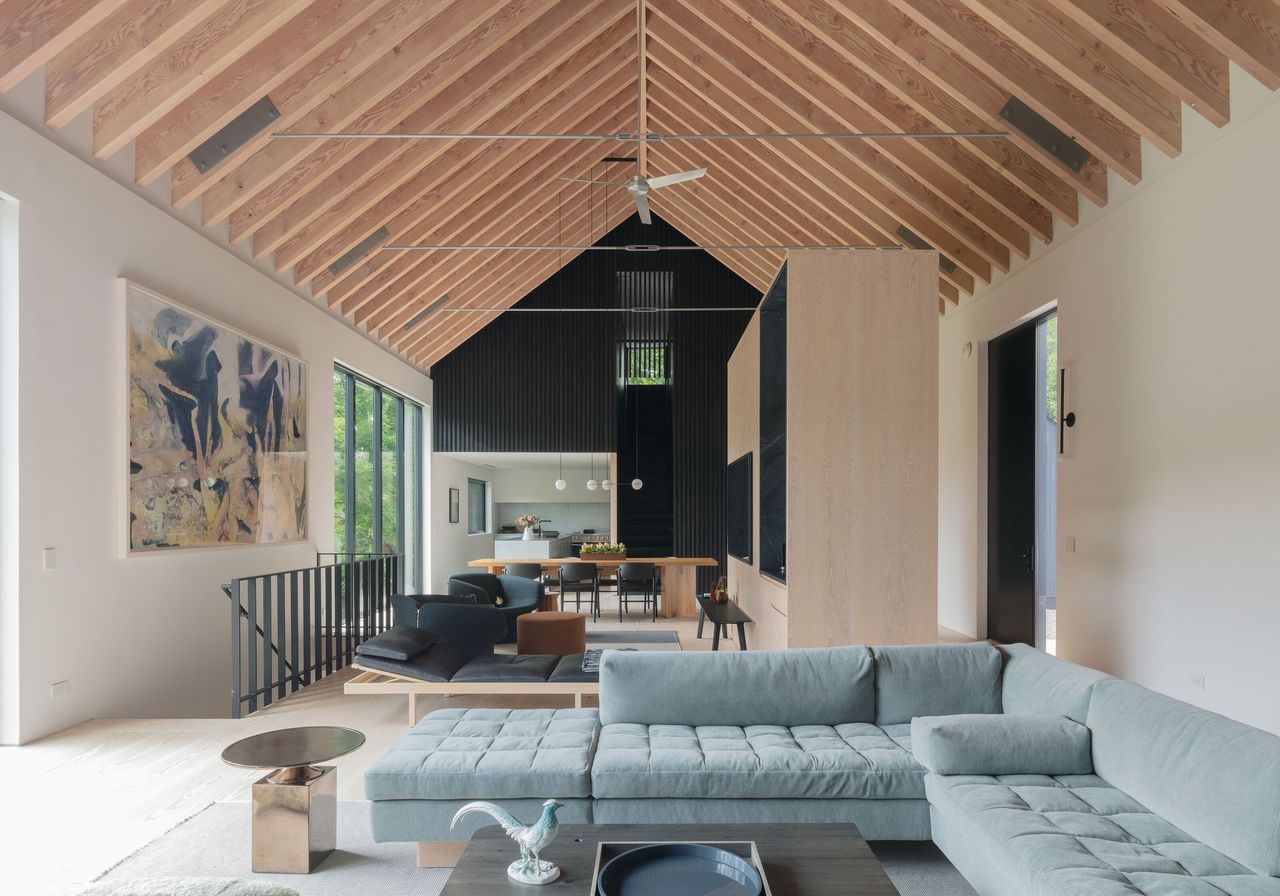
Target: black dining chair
column 577, row 579
column 638, row 581
column 525, row 570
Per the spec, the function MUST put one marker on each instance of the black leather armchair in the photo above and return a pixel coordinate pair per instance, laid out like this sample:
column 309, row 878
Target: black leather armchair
column 458, row 621
column 512, row 595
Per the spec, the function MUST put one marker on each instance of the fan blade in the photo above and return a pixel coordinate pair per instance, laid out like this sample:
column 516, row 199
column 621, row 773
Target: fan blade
column 667, row 180
column 587, row 180
column 642, row 206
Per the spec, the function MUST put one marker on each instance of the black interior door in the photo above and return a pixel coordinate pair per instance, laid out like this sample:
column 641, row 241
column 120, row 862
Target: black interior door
column 1011, row 487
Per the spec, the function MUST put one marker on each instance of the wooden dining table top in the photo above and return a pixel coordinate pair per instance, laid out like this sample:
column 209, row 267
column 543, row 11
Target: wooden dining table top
column 552, row 562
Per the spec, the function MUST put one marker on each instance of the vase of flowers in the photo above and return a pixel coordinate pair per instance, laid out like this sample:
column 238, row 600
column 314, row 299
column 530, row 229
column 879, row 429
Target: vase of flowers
column 720, row 593
column 526, row 525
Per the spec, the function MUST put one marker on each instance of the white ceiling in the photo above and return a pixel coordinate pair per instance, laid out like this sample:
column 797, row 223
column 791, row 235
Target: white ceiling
column 526, row 460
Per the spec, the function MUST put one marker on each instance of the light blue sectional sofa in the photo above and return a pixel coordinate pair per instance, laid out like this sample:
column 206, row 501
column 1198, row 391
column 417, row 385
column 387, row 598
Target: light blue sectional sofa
column 1034, row 776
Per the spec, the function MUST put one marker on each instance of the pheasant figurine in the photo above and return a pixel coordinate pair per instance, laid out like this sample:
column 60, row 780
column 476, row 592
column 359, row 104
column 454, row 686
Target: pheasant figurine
column 531, row 839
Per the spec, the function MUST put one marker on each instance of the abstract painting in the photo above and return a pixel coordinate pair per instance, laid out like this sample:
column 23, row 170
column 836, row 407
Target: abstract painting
column 216, row 430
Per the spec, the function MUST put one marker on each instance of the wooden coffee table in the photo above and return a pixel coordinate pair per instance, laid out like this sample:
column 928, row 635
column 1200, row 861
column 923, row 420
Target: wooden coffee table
column 799, row 859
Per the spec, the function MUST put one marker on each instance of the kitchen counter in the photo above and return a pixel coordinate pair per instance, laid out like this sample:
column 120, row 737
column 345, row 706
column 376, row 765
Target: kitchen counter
column 514, row 547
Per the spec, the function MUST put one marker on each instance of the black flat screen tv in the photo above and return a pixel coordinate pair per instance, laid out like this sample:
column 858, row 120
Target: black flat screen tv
column 739, row 519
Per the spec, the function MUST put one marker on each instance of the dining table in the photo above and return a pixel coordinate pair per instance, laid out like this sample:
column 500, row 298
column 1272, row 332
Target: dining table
column 678, row 576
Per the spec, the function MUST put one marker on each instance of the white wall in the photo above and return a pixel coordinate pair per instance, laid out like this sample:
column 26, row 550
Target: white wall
column 146, row 636
column 514, row 485
column 566, row 518
column 451, row 547
column 1168, row 320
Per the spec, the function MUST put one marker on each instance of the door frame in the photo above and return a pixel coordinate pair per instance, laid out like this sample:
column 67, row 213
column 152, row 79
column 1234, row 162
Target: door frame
column 982, row 520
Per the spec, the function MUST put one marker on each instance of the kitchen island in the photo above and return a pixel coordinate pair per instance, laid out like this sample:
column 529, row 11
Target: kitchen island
column 514, row 547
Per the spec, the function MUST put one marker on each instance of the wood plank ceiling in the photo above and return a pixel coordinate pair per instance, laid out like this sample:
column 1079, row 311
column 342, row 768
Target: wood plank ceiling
column 164, row 76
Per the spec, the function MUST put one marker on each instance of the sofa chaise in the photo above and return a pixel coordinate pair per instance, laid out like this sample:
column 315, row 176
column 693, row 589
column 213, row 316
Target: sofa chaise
column 1034, row 775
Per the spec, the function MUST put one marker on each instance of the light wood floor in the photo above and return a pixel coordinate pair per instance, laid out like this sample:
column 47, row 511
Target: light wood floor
column 79, row 801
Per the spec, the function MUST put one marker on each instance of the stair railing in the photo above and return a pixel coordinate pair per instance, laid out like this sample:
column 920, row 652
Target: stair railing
column 290, row 629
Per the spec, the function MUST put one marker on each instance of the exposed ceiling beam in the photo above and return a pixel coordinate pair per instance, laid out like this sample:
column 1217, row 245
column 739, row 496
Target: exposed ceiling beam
column 1156, row 41
column 1248, row 31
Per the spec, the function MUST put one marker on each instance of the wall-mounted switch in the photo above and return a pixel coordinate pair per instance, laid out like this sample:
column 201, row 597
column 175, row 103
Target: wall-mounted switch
column 50, row 558
column 59, row 689
column 1197, row 682
column 1071, row 544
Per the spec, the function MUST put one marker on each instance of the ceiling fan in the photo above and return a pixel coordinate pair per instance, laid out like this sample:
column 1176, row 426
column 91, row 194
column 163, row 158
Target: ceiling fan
column 638, row 185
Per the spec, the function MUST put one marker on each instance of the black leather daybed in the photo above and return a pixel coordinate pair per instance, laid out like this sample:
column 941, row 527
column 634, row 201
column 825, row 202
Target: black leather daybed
column 412, row 661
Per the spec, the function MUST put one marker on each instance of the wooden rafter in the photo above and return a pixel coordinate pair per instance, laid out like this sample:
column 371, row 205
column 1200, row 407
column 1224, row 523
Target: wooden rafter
column 167, row 75
column 386, row 169
column 1168, row 51
column 220, row 41
column 32, row 32
column 855, row 85
column 125, row 42
column 1248, row 31
column 325, row 27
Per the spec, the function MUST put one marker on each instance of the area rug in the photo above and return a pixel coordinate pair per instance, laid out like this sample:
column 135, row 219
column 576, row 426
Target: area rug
column 633, row 637
column 215, row 844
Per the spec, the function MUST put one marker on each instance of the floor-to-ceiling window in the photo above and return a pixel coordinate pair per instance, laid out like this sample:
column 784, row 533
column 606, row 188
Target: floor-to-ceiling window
column 377, row 439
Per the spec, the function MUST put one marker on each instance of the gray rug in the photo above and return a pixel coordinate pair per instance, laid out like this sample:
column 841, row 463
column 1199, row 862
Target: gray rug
column 215, row 844
column 614, row 636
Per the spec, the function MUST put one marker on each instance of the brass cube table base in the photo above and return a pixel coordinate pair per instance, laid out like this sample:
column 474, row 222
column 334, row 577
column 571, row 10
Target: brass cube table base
column 295, row 819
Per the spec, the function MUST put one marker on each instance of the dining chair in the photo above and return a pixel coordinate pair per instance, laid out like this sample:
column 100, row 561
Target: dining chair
column 579, row 578
column 525, row 570
column 637, row 579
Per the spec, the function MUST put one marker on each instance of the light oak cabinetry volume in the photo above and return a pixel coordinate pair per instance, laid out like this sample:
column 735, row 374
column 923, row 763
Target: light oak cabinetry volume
column 861, row 455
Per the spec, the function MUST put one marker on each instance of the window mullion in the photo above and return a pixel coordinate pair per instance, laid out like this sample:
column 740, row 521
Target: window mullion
column 349, row 485
column 376, row 452
column 400, row 540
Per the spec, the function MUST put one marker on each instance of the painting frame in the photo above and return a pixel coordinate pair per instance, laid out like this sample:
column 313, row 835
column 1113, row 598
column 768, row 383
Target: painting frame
column 455, row 505
column 294, row 463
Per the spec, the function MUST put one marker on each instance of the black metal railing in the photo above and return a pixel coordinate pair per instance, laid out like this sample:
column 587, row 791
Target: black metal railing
column 289, row 629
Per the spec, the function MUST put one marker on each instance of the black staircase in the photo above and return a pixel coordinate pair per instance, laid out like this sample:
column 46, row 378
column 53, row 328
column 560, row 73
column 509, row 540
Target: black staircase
column 645, row 517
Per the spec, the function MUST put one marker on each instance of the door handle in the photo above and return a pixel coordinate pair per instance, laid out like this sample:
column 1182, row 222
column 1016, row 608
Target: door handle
column 1029, row 559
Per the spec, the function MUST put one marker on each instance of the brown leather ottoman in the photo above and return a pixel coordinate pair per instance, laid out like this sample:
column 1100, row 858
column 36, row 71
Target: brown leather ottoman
column 556, row 633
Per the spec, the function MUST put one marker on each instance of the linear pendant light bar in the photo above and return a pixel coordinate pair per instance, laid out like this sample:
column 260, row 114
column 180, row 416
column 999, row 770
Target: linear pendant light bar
column 649, row 138
column 633, row 248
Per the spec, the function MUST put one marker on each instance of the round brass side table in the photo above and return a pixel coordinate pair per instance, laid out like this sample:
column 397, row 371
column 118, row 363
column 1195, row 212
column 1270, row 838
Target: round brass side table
column 295, row 808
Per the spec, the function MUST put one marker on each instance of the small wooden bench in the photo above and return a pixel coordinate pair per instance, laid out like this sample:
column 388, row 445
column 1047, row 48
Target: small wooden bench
column 372, row 681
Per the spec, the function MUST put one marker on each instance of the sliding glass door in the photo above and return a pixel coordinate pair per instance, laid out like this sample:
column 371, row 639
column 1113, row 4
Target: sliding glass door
column 377, row 472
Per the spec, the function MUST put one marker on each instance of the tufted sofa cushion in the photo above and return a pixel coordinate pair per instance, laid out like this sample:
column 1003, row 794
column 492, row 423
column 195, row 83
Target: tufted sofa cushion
column 1077, row 835
column 856, row 760
column 1037, row 683
column 813, row 686
column 1214, row 777
column 935, row 680
column 490, row 754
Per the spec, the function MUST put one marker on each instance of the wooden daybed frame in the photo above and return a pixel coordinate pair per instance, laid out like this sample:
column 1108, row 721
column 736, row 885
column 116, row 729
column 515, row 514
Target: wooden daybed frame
column 376, row 681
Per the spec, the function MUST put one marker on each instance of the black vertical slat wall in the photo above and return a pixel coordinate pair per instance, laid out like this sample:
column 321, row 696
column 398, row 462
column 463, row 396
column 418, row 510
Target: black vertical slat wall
column 550, row 382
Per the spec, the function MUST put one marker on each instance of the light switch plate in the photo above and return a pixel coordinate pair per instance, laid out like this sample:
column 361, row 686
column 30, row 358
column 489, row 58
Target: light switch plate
column 50, row 558
column 1071, row 544
column 60, row 689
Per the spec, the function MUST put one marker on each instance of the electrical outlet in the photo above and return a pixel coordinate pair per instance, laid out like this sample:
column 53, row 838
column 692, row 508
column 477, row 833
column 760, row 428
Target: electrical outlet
column 59, row 689
column 1197, row 682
